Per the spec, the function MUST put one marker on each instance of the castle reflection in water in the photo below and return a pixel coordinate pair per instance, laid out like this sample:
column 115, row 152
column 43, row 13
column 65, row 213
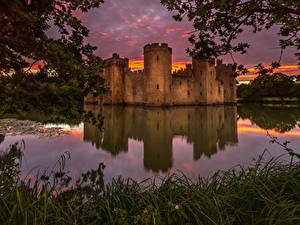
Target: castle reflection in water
column 208, row 128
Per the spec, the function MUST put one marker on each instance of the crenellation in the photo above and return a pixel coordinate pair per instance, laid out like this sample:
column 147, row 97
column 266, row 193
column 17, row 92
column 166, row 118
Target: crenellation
column 187, row 72
column 157, row 46
column 204, row 82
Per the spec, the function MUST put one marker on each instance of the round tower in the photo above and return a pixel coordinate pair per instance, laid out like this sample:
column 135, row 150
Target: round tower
column 158, row 69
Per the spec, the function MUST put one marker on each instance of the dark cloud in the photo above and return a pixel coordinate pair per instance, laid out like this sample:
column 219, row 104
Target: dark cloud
column 125, row 26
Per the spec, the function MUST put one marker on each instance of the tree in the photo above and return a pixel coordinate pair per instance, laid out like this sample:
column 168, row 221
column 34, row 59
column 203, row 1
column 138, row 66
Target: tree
column 24, row 40
column 218, row 23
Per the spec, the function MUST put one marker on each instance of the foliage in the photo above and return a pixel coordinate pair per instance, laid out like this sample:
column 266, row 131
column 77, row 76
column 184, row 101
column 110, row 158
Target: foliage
column 23, row 93
column 25, row 40
column 218, row 23
column 265, row 193
column 281, row 119
column 268, row 84
column 43, row 98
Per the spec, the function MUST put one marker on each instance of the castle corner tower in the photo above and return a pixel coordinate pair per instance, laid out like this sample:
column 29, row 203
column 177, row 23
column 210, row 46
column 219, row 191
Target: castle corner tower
column 158, row 69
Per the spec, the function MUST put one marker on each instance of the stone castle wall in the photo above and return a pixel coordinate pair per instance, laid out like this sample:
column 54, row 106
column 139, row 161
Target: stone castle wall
column 134, row 88
column 201, row 83
column 224, row 74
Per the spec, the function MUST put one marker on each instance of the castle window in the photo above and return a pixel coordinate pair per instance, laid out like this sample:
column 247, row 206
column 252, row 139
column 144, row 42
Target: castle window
column 188, row 93
column 179, row 82
column 200, row 93
column 157, row 86
column 200, row 84
column 157, row 58
column 219, row 90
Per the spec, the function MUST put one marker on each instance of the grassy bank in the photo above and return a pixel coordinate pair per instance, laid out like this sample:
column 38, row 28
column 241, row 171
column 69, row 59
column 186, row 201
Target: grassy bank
column 276, row 100
column 266, row 193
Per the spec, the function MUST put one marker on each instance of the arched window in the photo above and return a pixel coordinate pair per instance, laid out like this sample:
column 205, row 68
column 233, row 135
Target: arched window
column 157, row 86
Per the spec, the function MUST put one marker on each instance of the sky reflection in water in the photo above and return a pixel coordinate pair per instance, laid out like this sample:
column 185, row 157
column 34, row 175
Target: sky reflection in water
column 140, row 143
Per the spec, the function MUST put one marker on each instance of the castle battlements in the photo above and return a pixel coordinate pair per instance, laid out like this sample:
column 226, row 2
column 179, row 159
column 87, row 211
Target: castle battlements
column 187, row 72
column 157, row 46
column 115, row 59
column 137, row 71
column 204, row 82
column 221, row 64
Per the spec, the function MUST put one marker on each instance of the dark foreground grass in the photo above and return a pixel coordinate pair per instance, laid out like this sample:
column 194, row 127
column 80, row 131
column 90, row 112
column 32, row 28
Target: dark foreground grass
column 267, row 193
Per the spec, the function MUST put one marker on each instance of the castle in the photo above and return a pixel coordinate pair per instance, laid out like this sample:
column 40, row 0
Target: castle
column 201, row 83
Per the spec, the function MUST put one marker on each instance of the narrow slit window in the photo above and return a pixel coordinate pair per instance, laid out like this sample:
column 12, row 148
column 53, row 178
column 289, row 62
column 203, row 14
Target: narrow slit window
column 157, row 58
column 157, row 86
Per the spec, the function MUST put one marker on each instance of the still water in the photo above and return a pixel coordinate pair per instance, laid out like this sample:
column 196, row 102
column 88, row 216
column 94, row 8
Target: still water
column 140, row 143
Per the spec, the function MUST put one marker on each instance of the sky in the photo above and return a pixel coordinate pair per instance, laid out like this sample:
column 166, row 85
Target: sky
column 125, row 26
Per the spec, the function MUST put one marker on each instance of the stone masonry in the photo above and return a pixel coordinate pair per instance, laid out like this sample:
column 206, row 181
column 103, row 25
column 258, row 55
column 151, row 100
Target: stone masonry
column 201, row 83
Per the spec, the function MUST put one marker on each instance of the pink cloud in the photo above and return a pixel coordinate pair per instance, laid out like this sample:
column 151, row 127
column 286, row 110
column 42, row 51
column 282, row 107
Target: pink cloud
column 185, row 35
column 147, row 18
column 169, row 30
column 133, row 15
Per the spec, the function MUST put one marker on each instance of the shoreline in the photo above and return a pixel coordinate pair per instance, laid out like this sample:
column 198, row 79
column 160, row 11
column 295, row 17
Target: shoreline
column 13, row 127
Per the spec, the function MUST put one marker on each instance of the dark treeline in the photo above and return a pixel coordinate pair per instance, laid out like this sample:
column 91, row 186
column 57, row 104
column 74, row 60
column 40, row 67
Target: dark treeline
column 25, row 93
column 267, row 85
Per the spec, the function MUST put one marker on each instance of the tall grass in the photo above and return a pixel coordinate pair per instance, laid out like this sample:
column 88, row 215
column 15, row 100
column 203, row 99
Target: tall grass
column 266, row 193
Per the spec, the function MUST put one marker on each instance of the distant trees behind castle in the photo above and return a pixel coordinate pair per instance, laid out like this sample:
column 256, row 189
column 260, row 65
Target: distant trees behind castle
column 266, row 85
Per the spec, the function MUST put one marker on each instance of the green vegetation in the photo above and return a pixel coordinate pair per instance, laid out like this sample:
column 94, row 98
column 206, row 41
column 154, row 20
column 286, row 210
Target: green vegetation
column 22, row 94
column 266, row 193
column 269, row 86
column 68, row 68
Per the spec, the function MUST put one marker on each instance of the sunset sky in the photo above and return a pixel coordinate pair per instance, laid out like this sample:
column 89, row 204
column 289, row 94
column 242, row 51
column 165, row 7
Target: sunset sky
column 125, row 26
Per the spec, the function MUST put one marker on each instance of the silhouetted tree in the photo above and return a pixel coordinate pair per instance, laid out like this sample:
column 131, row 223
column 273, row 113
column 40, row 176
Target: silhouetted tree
column 24, row 39
column 218, row 23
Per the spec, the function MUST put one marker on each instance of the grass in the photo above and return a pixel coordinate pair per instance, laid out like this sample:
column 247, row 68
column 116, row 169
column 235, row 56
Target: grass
column 272, row 100
column 266, row 193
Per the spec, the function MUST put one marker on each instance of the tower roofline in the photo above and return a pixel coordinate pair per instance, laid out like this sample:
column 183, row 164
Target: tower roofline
column 157, row 46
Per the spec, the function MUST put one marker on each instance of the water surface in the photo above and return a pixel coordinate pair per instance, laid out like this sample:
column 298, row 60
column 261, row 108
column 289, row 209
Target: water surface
column 139, row 143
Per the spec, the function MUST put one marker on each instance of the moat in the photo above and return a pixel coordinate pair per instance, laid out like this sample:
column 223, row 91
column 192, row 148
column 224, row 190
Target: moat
column 140, row 142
